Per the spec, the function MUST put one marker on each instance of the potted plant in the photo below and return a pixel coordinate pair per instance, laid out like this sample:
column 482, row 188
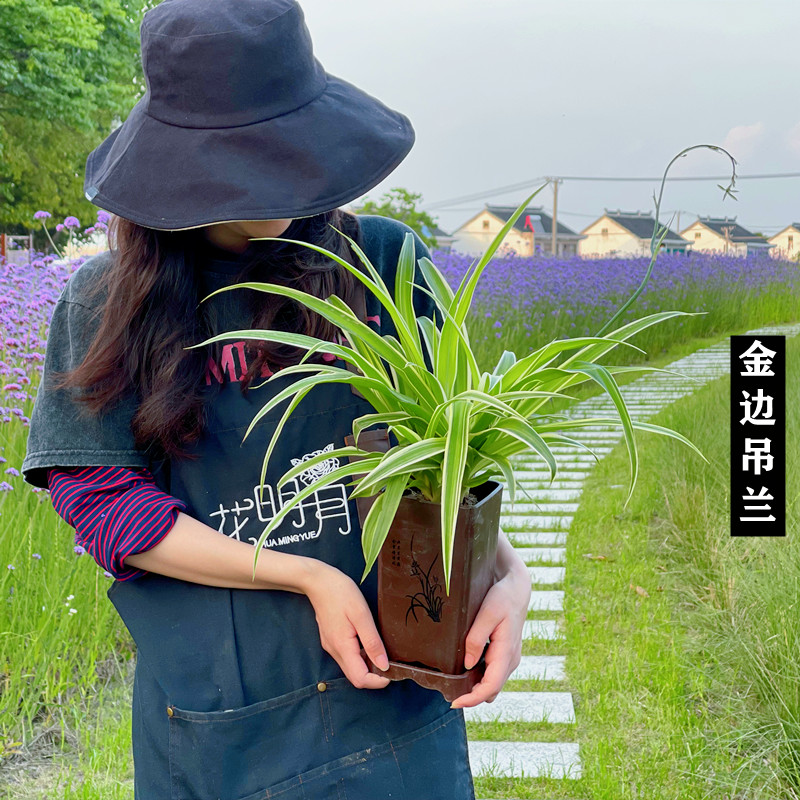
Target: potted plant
column 435, row 493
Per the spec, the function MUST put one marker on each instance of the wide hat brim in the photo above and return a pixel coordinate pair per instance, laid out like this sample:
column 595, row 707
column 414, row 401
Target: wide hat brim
column 318, row 157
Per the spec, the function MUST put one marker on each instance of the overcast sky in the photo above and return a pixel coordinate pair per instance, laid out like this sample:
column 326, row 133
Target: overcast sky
column 505, row 91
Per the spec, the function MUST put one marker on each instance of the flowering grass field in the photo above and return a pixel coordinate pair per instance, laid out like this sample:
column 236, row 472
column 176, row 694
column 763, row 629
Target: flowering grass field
column 58, row 633
column 55, row 627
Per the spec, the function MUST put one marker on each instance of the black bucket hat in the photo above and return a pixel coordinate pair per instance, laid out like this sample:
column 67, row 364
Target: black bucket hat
column 240, row 121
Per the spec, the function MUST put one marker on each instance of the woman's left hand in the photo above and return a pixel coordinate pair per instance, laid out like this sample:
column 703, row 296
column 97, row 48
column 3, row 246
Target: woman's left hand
column 500, row 621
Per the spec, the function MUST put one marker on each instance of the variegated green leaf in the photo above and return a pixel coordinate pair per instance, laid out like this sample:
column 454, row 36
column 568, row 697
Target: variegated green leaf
column 455, row 457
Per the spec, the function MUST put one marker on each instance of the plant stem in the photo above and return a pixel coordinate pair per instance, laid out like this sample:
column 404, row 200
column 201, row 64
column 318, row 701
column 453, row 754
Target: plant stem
column 52, row 242
column 656, row 245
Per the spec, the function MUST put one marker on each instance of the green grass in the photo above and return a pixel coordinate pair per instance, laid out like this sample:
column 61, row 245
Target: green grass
column 88, row 757
column 49, row 657
column 694, row 690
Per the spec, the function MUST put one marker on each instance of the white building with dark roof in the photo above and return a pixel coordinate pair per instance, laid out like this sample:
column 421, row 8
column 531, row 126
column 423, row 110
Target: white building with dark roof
column 531, row 234
column 444, row 240
column 724, row 235
column 626, row 234
column 786, row 243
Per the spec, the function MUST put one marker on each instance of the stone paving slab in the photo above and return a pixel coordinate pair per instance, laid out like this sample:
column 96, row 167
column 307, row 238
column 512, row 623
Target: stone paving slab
column 568, row 450
column 583, row 442
column 531, row 554
column 544, row 668
column 548, row 629
column 543, row 494
column 590, row 433
column 546, row 600
column 587, row 441
column 515, row 521
column 526, row 475
column 546, row 574
column 585, row 446
column 555, row 707
column 541, row 474
column 565, row 462
column 546, row 484
column 537, row 508
column 537, row 537
column 538, row 462
column 579, row 462
column 525, row 759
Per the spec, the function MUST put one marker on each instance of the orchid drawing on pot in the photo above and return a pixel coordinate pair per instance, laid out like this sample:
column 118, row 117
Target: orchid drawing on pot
column 456, row 427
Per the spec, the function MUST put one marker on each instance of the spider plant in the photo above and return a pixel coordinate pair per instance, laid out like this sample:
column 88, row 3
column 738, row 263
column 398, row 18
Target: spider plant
column 456, row 427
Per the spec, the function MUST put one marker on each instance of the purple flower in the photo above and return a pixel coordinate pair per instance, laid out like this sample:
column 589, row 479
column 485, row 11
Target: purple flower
column 71, row 222
column 498, row 324
column 60, row 227
column 39, row 263
column 79, row 550
column 42, row 215
column 107, row 574
column 103, row 216
column 6, row 487
column 11, row 566
column 36, row 556
column 12, row 471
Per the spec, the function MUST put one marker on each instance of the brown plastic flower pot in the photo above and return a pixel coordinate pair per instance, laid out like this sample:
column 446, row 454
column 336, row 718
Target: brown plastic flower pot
column 422, row 627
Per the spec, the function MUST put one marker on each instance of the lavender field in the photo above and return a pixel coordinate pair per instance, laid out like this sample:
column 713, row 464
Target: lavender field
column 60, row 635
column 526, row 302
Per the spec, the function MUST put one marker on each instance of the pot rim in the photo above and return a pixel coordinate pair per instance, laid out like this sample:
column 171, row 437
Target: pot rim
column 497, row 487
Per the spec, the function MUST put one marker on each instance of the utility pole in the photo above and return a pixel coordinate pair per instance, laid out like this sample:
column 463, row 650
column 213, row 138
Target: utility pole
column 554, row 243
column 727, row 231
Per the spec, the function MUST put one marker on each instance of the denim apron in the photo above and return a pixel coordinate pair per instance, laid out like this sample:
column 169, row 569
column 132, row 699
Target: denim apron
column 234, row 697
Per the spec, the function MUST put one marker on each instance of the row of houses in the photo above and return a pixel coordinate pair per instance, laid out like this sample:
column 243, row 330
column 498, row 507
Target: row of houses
column 615, row 233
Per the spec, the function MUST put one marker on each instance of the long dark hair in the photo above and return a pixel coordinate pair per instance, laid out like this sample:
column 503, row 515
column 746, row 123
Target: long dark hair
column 151, row 314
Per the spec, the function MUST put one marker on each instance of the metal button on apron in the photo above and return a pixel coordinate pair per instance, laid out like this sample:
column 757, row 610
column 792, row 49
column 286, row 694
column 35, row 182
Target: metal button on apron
column 170, row 712
column 322, row 686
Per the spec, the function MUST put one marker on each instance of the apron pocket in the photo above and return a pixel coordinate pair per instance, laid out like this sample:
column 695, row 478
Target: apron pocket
column 288, row 748
column 240, row 752
column 427, row 763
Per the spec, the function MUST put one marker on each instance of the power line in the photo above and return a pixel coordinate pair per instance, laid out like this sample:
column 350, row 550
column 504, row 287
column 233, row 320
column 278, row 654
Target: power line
column 480, row 195
column 442, row 204
column 763, row 176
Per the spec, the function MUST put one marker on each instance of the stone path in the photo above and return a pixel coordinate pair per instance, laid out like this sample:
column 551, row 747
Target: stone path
column 538, row 527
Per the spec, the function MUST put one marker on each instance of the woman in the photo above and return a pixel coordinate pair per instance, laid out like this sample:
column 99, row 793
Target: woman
column 244, row 688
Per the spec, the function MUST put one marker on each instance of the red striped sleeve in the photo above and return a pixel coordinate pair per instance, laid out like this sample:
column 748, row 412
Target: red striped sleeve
column 115, row 511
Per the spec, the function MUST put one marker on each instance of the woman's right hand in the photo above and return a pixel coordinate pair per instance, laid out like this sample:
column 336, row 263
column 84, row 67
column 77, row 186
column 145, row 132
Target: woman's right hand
column 344, row 618
column 192, row 551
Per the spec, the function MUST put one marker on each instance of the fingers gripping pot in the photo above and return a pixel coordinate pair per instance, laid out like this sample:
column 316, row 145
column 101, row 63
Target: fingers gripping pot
column 423, row 628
